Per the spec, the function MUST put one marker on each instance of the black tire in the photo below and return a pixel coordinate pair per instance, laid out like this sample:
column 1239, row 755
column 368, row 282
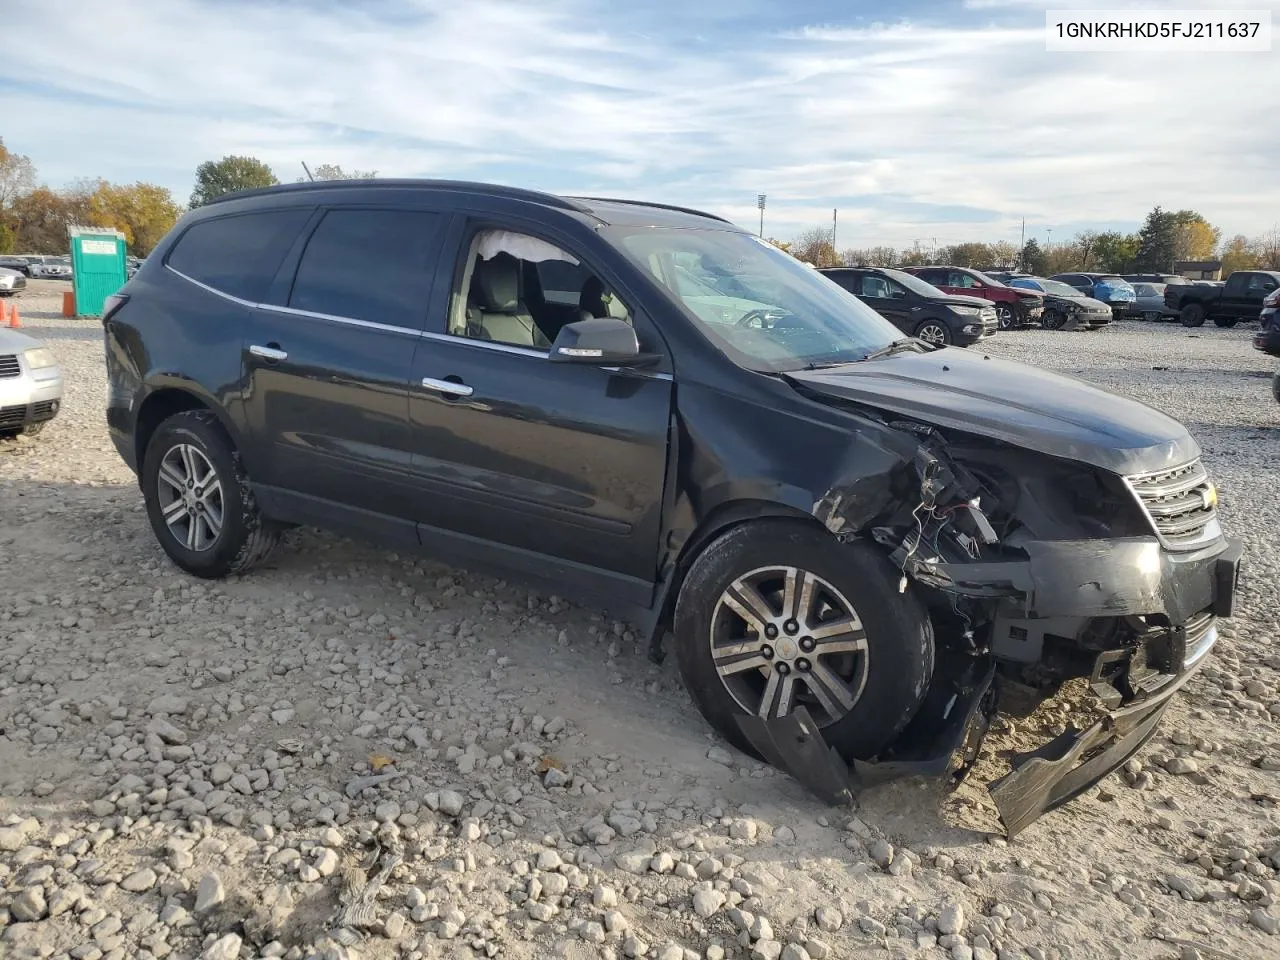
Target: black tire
column 1192, row 315
column 246, row 537
column 899, row 639
column 1054, row 320
column 935, row 333
column 1007, row 316
column 1227, row 322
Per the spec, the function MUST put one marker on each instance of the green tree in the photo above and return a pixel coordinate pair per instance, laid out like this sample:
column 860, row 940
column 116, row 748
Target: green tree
column 870, row 257
column 214, row 178
column 143, row 212
column 1031, row 260
column 1157, row 242
column 332, row 171
column 1115, row 252
column 1239, row 253
column 17, row 176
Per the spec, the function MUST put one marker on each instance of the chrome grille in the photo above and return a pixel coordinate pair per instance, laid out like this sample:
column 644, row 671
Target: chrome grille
column 9, row 366
column 1180, row 503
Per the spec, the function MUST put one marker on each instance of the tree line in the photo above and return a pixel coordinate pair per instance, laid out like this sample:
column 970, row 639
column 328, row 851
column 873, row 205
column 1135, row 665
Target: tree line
column 1165, row 237
column 34, row 217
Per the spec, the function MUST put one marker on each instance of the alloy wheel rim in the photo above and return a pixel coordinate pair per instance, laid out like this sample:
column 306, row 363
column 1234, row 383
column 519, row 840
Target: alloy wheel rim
column 934, row 334
column 782, row 637
column 1004, row 314
column 190, row 493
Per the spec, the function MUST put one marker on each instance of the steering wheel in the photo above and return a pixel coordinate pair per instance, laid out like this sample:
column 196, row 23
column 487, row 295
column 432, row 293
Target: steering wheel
column 761, row 315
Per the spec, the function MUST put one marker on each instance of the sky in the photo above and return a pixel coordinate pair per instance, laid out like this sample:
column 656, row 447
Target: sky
column 928, row 122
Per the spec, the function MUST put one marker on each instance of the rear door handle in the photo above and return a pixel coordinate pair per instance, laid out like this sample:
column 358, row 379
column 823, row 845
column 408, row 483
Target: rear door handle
column 269, row 352
column 447, row 386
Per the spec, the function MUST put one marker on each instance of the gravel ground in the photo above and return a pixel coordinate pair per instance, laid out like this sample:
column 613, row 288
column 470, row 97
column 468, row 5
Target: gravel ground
column 200, row 770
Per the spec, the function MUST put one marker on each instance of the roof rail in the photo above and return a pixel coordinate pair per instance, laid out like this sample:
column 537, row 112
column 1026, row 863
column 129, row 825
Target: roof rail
column 660, row 206
column 515, row 193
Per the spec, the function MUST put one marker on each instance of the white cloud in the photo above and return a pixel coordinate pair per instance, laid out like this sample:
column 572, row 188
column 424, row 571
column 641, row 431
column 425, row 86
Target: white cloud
column 908, row 127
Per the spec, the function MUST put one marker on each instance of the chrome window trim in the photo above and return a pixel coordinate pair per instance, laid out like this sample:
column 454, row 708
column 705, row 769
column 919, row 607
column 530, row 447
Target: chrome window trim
column 389, row 328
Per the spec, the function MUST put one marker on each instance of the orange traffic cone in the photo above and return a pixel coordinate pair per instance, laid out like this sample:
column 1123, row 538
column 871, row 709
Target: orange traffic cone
column 14, row 320
column 68, row 303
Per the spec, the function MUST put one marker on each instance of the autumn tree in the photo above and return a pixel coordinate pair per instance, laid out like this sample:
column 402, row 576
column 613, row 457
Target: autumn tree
column 17, row 176
column 1004, row 255
column 214, row 178
column 870, row 257
column 1239, row 253
column 966, row 255
column 1194, row 237
column 814, row 246
column 1267, row 248
column 143, row 212
column 40, row 220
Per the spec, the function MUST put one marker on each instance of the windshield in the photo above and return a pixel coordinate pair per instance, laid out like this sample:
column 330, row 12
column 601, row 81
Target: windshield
column 914, row 283
column 763, row 308
column 1060, row 289
column 988, row 279
column 1115, row 283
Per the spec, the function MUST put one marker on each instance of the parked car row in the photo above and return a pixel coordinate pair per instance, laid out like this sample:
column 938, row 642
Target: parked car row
column 38, row 267
column 917, row 308
column 11, row 281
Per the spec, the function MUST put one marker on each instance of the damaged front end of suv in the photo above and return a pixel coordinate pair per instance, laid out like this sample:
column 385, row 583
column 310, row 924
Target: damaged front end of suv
column 1047, row 553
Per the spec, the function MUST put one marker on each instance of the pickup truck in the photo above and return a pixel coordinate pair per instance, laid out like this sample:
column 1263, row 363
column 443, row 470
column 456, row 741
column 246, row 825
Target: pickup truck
column 1239, row 298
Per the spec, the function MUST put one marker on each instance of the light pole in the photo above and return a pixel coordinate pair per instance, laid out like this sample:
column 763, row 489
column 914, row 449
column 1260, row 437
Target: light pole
column 760, row 198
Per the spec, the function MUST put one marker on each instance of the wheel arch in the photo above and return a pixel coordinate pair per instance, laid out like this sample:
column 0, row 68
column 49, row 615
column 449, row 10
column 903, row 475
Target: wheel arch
column 718, row 521
column 162, row 403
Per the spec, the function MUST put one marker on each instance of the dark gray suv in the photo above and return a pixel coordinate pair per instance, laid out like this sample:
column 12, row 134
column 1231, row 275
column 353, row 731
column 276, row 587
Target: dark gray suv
column 849, row 538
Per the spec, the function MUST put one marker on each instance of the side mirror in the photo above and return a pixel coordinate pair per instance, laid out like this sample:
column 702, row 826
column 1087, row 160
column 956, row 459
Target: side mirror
column 602, row 341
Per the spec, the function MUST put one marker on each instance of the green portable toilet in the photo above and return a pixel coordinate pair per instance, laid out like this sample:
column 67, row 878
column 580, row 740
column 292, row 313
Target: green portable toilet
column 98, row 267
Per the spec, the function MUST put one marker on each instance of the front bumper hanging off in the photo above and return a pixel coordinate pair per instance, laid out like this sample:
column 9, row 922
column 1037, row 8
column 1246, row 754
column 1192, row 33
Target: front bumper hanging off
column 947, row 733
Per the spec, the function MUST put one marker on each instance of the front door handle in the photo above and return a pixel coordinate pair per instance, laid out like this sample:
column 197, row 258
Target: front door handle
column 447, row 386
column 271, row 351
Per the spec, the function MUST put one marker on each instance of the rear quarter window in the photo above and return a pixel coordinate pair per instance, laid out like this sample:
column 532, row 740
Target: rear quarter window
column 238, row 254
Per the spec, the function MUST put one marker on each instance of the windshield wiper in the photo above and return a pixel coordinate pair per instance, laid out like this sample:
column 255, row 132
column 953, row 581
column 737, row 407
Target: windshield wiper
column 892, row 348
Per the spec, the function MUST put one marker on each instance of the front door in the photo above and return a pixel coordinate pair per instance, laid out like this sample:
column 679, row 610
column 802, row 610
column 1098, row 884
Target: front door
column 550, row 468
column 328, row 363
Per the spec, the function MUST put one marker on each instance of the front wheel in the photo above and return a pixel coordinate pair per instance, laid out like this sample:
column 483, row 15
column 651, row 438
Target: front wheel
column 1192, row 315
column 1006, row 316
column 1225, row 322
column 778, row 614
column 198, row 498
column 934, row 333
column 1054, row 320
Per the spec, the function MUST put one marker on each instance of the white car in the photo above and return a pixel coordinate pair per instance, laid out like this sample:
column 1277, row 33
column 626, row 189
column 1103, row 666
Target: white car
column 11, row 281
column 51, row 268
column 30, row 384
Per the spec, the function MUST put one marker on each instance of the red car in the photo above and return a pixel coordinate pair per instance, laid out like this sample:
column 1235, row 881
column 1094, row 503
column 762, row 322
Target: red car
column 1015, row 307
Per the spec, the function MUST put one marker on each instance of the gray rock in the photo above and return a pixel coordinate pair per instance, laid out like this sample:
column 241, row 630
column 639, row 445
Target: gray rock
column 828, row 919
column 881, row 852
column 706, row 902
column 592, row 932
column 450, row 803
column 1182, row 765
column 555, row 777
column 766, row 950
column 743, row 829
column 871, row 926
column 615, row 922
column 951, row 918
column 224, row 948
column 1265, row 920
column 140, row 881
column 762, row 930
column 209, row 894
column 817, row 949
column 721, row 756
column 29, row 906
column 793, row 951
column 603, row 897
column 169, row 704
column 166, row 731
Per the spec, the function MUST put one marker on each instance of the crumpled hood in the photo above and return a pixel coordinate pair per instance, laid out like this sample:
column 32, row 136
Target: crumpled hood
column 1088, row 303
column 962, row 389
column 961, row 300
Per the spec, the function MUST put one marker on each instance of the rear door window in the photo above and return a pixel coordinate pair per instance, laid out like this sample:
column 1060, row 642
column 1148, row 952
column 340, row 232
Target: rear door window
column 373, row 265
column 238, row 254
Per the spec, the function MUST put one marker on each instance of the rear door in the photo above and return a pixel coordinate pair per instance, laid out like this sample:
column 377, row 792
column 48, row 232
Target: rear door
column 553, row 469
column 886, row 298
column 328, row 362
column 941, row 278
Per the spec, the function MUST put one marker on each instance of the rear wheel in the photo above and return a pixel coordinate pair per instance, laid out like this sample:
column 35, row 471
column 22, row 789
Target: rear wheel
column 1151, row 316
column 198, row 498
column 934, row 333
column 778, row 614
column 1192, row 315
column 1224, row 321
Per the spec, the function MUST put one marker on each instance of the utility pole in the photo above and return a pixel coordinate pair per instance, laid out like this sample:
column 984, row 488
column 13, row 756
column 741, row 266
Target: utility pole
column 760, row 198
column 834, row 248
column 1023, row 241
